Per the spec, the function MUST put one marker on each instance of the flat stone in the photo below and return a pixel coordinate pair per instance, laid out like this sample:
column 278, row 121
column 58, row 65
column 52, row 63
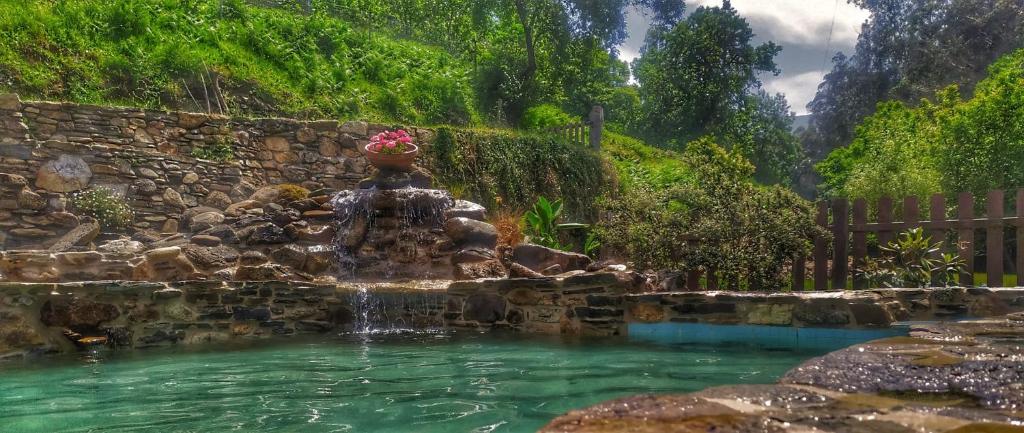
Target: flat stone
column 81, row 235
column 205, row 240
column 67, row 173
column 539, row 258
column 467, row 232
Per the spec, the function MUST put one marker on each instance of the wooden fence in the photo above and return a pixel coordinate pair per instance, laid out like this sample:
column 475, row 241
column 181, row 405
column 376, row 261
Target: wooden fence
column 849, row 225
column 587, row 133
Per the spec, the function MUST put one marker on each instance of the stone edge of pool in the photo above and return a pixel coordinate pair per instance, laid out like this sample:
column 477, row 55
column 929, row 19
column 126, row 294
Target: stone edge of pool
column 958, row 377
column 38, row 318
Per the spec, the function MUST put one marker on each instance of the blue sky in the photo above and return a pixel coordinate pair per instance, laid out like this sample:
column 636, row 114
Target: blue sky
column 800, row 26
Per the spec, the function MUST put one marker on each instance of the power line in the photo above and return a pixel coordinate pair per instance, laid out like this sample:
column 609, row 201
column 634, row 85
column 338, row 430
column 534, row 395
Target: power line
column 828, row 43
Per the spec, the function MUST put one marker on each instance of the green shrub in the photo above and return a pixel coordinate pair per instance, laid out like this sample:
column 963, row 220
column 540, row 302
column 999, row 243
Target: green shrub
column 221, row 150
column 291, row 192
column 545, row 116
column 723, row 222
column 109, row 209
column 514, row 169
column 542, row 226
column 912, row 260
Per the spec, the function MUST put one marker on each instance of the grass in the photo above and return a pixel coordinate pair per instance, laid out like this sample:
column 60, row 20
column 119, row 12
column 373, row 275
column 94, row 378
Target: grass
column 265, row 61
column 636, row 162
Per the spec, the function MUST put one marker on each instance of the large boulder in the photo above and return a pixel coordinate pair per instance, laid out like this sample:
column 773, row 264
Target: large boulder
column 476, row 270
column 267, row 233
column 539, row 258
column 81, row 235
column 65, row 174
column 466, row 209
column 468, row 232
column 78, row 314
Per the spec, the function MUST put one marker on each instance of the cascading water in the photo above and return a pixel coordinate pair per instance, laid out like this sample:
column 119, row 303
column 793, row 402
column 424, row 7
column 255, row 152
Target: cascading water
column 380, row 310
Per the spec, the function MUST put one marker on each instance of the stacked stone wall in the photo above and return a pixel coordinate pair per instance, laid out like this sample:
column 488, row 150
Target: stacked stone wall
column 147, row 156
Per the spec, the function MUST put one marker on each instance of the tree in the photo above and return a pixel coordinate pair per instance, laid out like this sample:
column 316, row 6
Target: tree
column 907, row 50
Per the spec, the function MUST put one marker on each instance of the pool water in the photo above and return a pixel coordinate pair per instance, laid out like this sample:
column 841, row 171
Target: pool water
column 408, row 383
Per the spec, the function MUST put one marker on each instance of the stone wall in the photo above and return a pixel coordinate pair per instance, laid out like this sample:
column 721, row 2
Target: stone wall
column 147, row 156
column 604, row 303
column 47, row 318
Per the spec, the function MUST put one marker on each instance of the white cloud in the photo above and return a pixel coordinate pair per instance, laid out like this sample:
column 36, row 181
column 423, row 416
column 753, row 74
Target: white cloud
column 804, row 22
column 799, row 88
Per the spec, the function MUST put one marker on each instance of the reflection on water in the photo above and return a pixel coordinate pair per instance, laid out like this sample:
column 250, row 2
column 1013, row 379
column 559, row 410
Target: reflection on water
column 364, row 383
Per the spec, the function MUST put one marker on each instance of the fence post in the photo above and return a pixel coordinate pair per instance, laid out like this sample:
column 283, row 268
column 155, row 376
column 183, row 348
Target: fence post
column 937, row 215
column 885, row 221
column 1020, row 237
column 911, row 213
column 965, row 236
column 596, row 125
column 799, row 268
column 841, row 242
column 821, row 250
column 994, row 238
column 860, row 242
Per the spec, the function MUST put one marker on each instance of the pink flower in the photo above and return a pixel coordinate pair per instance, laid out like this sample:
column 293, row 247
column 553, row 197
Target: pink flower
column 402, row 133
column 391, row 145
column 405, row 139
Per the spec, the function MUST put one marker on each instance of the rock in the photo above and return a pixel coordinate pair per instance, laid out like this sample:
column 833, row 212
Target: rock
column 305, row 135
column 211, row 258
column 280, row 215
column 467, row 209
column 253, row 258
column 10, row 102
column 78, row 314
column 472, row 255
column 321, row 235
column 318, row 215
column 65, row 174
column 27, row 199
column 554, row 269
column 205, row 221
column 539, row 258
column 484, row 308
column 467, row 232
column 81, row 235
column 266, row 195
column 290, row 255
column 173, row 199
column 515, row 270
column 205, row 240
column 267, row 234
column 238, row 208
column 170, row 227
column 486, row 269
column 190, row 178
column 163, row 254
column 17, row 334
column 267, row 272
column 54, row 219
column 179, row 312
column 148, row 173
column 319, row 261
column 121, row 247
column 276, row 144
column 145, row 186
column 217, row 200
column 770, row 314
column 647, row 313
column 223, row 232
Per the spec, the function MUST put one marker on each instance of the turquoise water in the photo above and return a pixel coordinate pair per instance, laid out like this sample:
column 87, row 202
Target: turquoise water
column 410, row 383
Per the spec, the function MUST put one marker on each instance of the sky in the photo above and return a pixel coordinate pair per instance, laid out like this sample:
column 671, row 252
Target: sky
column 801, row 27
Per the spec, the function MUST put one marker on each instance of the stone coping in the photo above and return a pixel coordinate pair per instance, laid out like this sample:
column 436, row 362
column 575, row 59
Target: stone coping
column 125, row 286
column 946, row 378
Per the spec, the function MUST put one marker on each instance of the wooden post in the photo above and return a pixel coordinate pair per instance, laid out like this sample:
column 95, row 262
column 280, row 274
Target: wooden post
column 821, row 251
column 965, row 236
column 840, row 243
column 693, row 280
column 860, row 241
column 596, row 126
column 994, row 238
column 884, row 219
column 911, row 213
column 799, row 269
column 1020, row 237
column 937, row 215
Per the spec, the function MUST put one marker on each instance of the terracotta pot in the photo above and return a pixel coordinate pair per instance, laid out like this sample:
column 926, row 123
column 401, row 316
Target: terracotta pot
column 394, row 162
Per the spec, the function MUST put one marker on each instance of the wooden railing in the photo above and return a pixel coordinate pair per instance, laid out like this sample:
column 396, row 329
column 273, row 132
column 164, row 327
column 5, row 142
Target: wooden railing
column 833, row 265
column 587, row 133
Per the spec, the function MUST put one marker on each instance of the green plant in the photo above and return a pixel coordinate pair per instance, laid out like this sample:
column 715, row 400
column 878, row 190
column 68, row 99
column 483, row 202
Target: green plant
column 545, row 116
column 542, row 226
column 220, row 150
column 109, row 209
column 592, row 245
column 912, row 260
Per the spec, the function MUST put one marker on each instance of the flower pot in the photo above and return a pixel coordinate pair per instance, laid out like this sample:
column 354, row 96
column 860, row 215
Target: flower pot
column 395, row 162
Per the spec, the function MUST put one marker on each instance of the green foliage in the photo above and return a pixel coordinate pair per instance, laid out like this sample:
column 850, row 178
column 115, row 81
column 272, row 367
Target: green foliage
column 291, row 192
column 912, row 261
column 721, row 221
column 265, row 61
column 948, row 145
column 545, row 116
column 700, row 78
column 497, row 167
column 221, row 150
column 542, row 226
column 109, row 209
column 639, row 164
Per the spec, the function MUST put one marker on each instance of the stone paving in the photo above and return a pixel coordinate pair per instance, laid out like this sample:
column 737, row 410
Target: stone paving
column 945, row 378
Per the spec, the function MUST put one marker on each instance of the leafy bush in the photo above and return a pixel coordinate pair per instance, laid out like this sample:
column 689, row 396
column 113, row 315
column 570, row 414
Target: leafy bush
column 545, row 116
column 912, row 260
column 723, row 222
column 496, row 167
column 948, row 145
column 291, row 192
column 542, row 224
column 108, row 208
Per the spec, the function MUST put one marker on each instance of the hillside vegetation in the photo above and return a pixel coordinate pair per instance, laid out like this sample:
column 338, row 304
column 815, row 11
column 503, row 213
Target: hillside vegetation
column 225, row 56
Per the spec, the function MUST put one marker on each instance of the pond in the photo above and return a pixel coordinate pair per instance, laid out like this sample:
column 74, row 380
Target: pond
column 426, row 382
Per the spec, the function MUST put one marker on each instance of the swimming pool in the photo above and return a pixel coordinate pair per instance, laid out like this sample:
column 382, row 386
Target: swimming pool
column 427, row 382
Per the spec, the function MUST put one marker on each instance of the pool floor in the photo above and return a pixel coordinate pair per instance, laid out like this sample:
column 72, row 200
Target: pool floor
column 408, row 383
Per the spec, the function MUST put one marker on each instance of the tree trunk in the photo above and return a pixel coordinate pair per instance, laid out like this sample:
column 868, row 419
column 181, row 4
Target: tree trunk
column 531, row 53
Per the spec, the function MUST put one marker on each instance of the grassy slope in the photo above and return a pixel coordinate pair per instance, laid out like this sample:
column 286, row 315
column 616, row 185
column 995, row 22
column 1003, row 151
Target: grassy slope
column 635, row 162
column 154, row 53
